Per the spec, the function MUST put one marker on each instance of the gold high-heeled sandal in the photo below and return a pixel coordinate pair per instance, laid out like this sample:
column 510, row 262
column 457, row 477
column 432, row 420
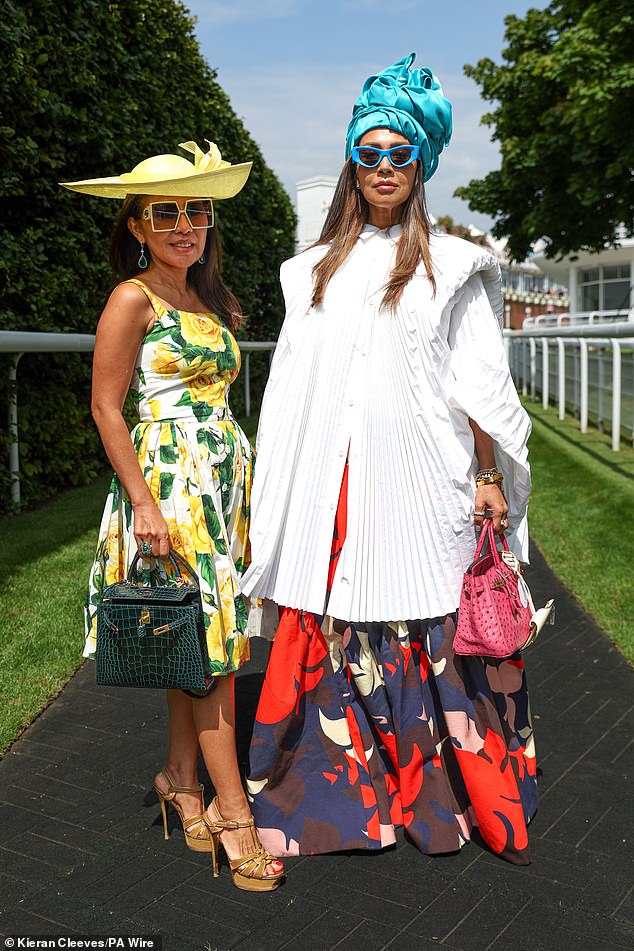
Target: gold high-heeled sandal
column 247, row 871
column 197, row 835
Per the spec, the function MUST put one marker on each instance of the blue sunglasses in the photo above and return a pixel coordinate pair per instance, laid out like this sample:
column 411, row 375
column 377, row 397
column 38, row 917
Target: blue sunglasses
column 399, row 156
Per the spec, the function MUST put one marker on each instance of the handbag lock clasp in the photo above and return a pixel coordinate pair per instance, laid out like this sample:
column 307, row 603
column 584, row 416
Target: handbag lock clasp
column 145, row 617
column 161, row 630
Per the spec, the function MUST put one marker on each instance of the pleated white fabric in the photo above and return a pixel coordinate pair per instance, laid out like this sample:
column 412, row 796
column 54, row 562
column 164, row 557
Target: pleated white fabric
column 393, row 393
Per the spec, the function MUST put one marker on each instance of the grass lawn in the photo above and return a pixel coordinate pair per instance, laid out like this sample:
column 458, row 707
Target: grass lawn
column 44, row 561
column 580, row 512
column 581, row 517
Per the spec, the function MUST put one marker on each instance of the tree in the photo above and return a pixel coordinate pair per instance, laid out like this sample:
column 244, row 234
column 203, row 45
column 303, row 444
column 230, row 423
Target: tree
column 90, row 93
column 563, row 95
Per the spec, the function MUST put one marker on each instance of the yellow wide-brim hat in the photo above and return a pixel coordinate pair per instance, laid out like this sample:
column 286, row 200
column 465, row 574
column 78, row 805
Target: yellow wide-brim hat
column 166, row 175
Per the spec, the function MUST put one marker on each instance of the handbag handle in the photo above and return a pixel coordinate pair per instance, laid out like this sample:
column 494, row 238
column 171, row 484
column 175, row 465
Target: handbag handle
column 488, row 535
column 177, row 562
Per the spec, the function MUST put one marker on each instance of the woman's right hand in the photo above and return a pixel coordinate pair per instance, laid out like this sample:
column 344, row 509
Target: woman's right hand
column 151, row 527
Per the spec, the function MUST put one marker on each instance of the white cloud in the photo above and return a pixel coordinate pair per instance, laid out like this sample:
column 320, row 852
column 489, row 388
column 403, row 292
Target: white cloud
column 218, row 13
column 299, row 120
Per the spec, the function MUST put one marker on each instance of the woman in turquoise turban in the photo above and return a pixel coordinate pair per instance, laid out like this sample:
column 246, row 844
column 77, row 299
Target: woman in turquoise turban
column 389, row 422
column 409, row 101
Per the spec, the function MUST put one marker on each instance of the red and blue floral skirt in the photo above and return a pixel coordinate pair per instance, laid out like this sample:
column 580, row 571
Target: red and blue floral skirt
column 365, row 727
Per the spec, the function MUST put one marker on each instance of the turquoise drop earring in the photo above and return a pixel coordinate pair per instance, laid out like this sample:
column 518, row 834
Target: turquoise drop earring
column 142, row 262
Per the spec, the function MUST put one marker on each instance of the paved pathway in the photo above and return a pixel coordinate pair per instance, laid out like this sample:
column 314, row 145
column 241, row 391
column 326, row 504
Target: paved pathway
column 82, row 849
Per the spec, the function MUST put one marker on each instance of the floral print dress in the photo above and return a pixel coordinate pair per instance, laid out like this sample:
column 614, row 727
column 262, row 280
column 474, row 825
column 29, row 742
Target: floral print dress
column 198, row 465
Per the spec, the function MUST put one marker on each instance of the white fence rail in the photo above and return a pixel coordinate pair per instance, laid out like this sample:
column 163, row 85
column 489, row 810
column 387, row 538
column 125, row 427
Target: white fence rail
column 591, row 377
column 17, row 343
column 585, row 317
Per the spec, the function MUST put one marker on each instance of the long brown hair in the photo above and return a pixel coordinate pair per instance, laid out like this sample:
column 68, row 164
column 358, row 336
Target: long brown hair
column 205, row 278
column 348, row 214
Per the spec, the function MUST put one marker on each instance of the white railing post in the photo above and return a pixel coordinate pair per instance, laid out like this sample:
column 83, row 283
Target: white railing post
column 575, row 378
column 616, row 395
column 600, row 385
column 577, row 349
column 583, row 385
column 14, row 437
column 532, row 346
column 561, row 376
column 517, row 361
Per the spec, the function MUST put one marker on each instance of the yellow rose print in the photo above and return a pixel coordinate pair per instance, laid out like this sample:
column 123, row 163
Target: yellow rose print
column 154, row 482
column 227, row 600
column 223, row 623
column 166, row 360
column 207, row 389
column 181, row 540
column 203, row 383
column 143, row 432
column 112, row 572
column 216, row 635
column 166, row 435
column 115, row 548
column 191, row 371
column 200, row 532
column 155, row 409
column 202, row 331
column 241, row 528
column 114, row 537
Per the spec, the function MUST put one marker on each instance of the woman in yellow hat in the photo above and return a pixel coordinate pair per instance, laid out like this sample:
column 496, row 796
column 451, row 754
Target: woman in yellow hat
column 183, row 479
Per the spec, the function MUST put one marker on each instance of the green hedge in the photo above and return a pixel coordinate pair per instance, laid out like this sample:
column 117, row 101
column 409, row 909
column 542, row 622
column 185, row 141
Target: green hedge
column 90, row 89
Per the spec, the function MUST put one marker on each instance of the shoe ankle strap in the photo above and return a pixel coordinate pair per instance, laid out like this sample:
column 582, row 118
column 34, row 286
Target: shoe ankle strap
column 173, row 788
column 221, row 823
column 190, row 789
column 234, row 823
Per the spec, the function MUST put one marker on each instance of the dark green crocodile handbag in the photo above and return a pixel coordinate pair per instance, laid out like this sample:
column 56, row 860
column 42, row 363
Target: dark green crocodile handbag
column 154, row 636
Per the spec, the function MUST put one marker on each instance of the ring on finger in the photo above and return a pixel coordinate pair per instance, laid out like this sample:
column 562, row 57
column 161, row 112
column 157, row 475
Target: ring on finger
column 146, row 548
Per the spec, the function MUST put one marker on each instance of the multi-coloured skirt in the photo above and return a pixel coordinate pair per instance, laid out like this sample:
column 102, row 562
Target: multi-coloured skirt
column 365, row 727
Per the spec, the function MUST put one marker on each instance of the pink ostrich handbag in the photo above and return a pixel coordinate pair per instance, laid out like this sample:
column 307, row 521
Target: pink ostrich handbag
column 496, row 617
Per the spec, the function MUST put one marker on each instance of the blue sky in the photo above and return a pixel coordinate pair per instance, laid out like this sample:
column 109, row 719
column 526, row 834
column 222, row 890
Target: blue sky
column 293, row 68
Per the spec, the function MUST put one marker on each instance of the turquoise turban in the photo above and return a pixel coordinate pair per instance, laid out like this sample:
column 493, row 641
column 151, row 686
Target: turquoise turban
column 409, row 101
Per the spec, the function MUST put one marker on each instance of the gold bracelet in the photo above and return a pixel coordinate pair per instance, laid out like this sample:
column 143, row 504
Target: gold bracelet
column 487, row 471
column 497, row 479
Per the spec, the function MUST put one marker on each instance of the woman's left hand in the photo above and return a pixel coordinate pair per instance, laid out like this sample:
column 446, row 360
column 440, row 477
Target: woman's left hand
column 490, row 499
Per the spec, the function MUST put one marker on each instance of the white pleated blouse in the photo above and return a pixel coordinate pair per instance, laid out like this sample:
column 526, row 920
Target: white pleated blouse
column 392, row 393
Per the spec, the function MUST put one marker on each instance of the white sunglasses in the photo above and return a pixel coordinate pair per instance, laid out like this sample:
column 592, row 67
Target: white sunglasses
column 166, row 215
